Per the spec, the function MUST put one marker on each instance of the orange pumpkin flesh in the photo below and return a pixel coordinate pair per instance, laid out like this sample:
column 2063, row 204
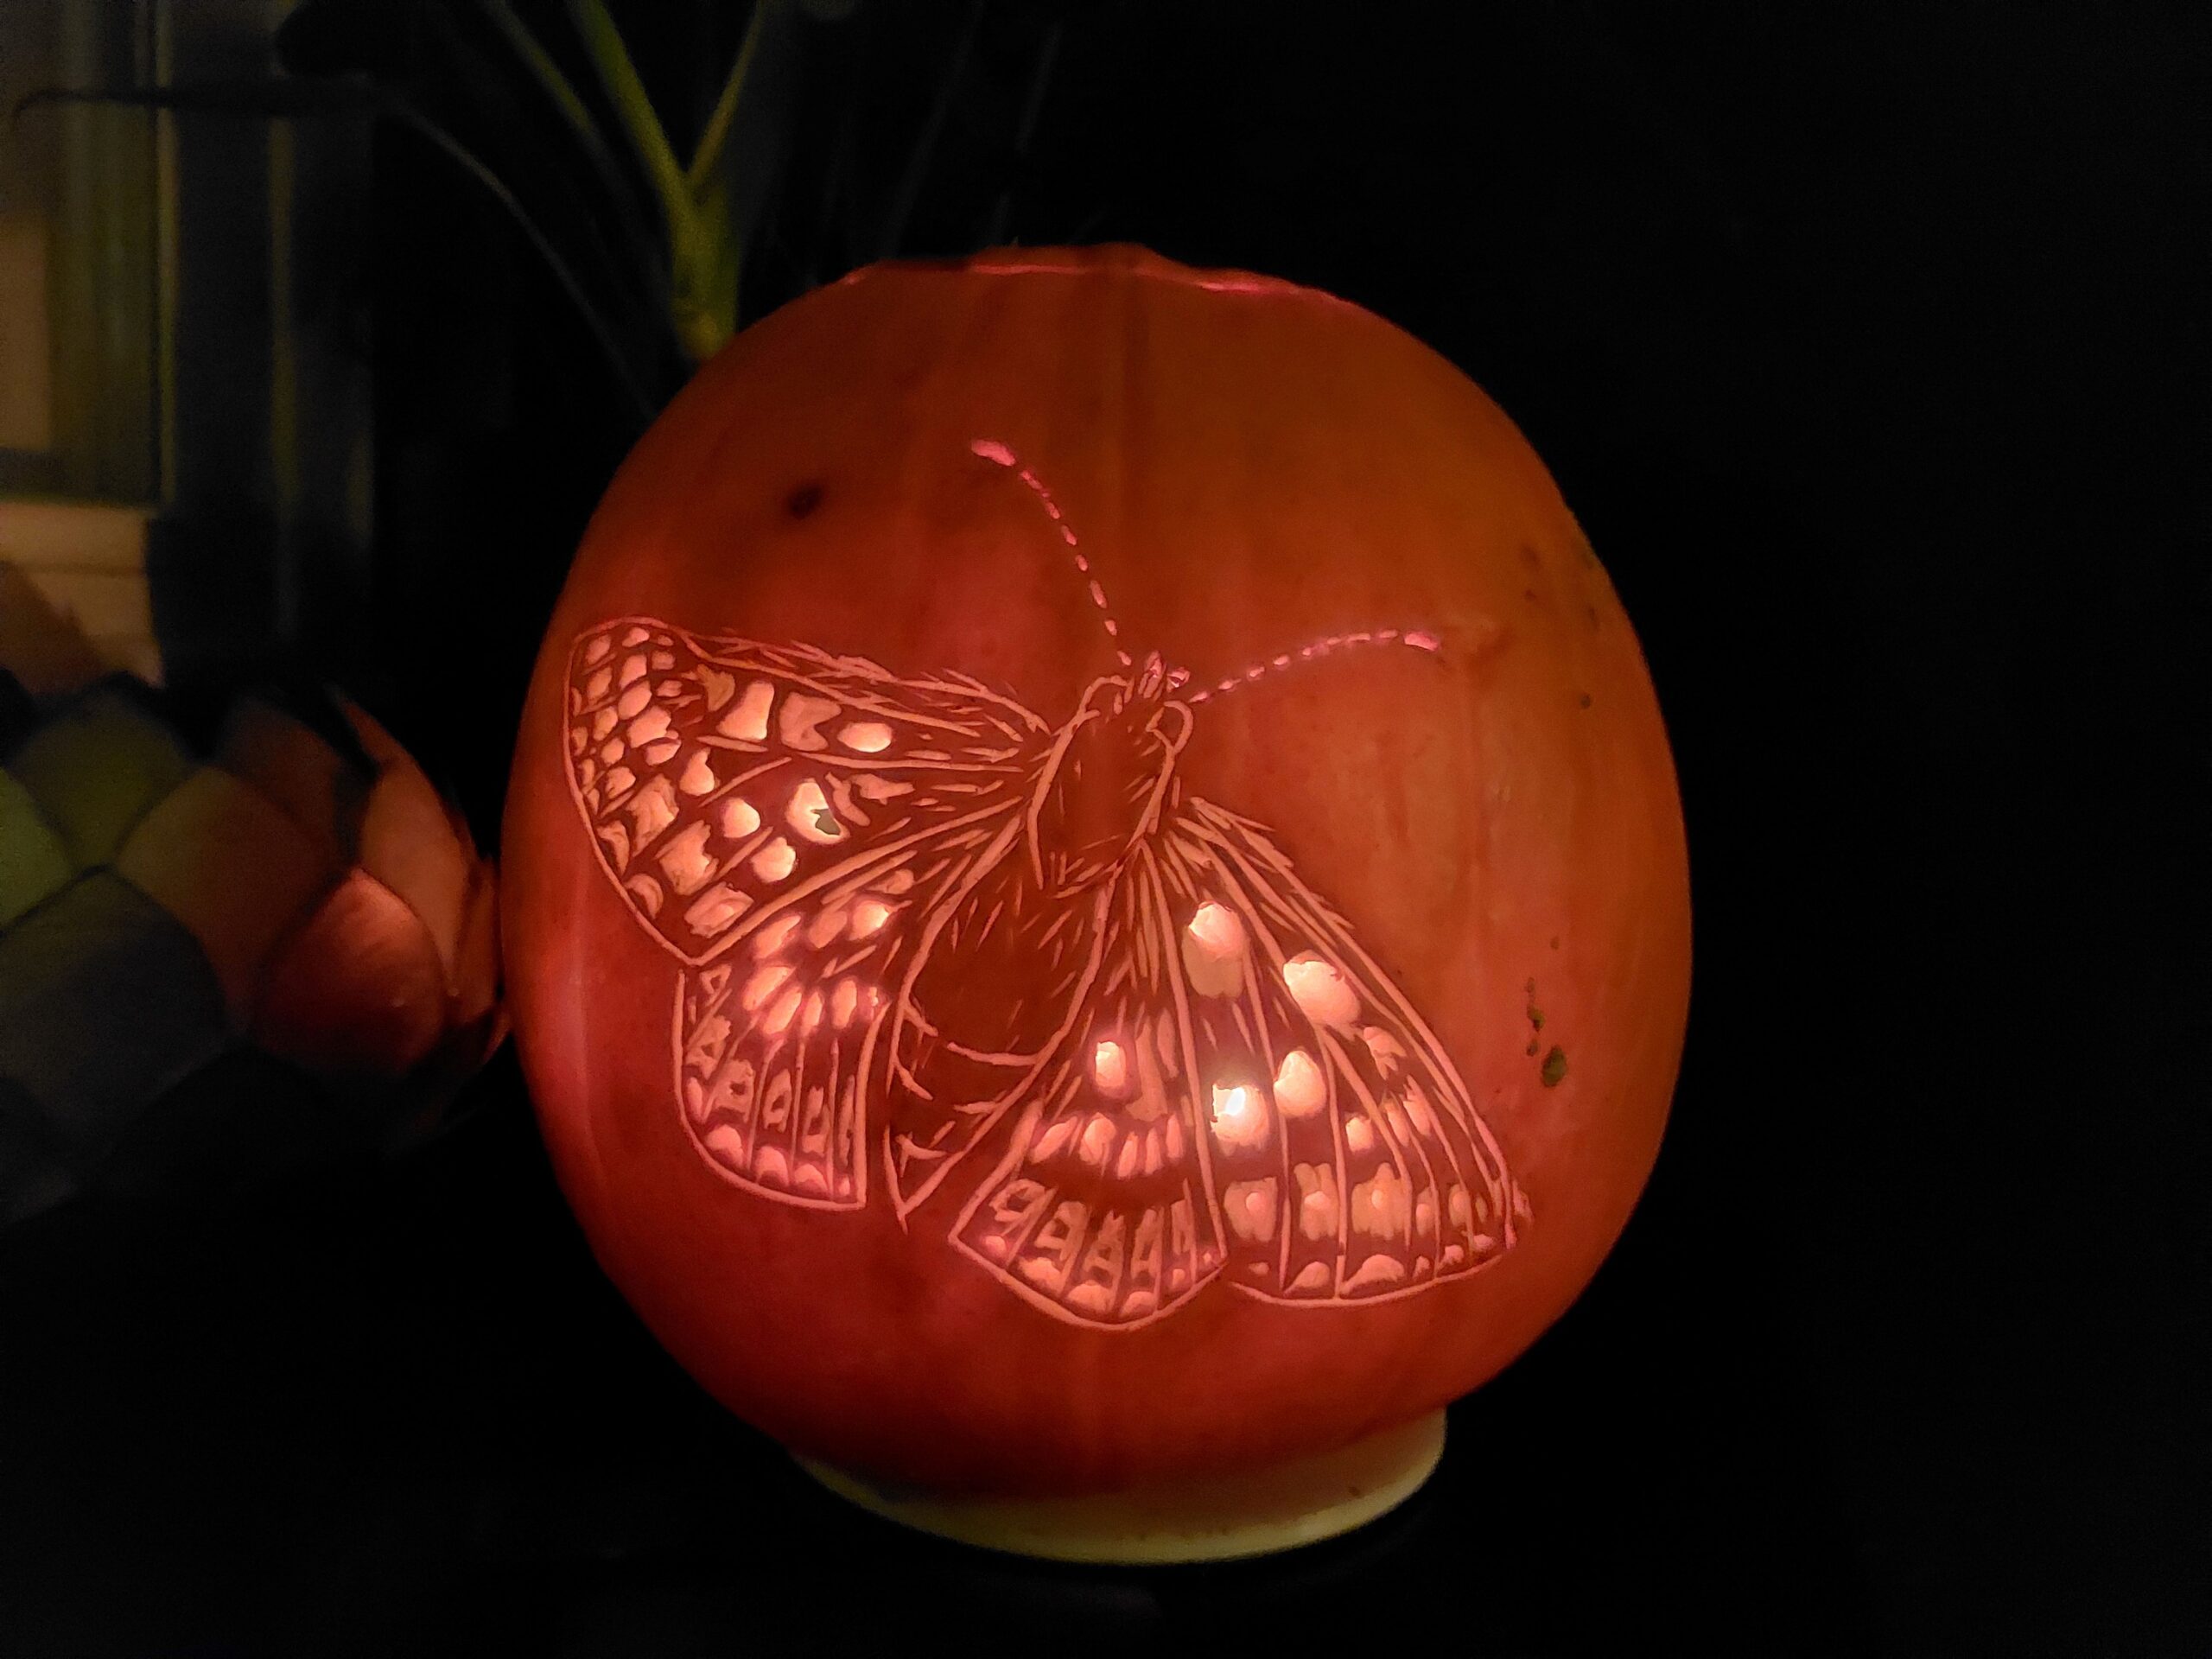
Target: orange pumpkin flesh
column 1251, row 467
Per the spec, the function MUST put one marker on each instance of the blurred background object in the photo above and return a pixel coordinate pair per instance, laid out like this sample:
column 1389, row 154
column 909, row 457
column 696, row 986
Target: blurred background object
column 233, row 938
column 73, row 593
column 205, row 481
column 305, row 285
column 239, row 933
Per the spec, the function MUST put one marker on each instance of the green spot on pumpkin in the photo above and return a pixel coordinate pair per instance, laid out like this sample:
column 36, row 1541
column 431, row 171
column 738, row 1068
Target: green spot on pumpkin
column 1555, row 1067
column 1535, row 1016
column 1531, row 1049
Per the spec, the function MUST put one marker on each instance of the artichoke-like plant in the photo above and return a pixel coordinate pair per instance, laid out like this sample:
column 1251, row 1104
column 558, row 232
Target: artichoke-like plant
column 226, row 942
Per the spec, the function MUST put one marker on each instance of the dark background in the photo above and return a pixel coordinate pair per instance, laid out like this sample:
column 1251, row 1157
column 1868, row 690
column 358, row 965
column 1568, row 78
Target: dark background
column 1868, row 342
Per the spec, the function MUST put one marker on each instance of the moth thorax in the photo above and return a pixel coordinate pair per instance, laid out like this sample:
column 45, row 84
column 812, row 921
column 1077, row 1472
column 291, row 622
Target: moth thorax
column 1101, row 793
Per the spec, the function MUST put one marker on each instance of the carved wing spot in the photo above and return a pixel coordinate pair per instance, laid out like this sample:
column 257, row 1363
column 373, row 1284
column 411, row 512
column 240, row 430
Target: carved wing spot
column 748, row 720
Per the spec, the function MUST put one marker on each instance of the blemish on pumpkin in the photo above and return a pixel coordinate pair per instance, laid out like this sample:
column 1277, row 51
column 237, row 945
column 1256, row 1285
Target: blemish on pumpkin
column 1585, row 700
column 1531, row 1049
column 1590, row 611
column 1555, row 1067
column 1530, row 557
column 1555, row 941
column 802, row 501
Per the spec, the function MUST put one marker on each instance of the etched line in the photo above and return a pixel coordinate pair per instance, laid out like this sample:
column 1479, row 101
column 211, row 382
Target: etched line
column 998, row 454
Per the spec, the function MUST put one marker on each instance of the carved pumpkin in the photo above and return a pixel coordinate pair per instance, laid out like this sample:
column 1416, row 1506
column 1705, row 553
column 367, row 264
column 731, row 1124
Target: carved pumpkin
column 1095, row 885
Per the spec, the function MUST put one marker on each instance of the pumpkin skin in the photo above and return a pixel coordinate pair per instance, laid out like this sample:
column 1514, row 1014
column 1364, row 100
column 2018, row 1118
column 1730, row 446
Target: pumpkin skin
column 1251, row 466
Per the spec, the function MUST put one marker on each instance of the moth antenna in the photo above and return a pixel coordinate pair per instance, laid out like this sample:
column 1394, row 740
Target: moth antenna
column 998, row 456
column 1418, row 638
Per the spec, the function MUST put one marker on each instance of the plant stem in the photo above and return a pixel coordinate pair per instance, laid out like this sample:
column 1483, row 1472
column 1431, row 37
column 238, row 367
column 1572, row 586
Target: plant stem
column 619, row 77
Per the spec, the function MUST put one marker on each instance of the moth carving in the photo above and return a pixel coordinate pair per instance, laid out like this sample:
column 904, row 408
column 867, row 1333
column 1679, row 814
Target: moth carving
column 930, row 939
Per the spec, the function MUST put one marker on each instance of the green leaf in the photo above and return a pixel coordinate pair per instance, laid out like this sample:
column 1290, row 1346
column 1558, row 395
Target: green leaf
column 279, row 99
column 598, row 214
column 466, row 160
column 565, row 98
column 709, row 153
column 647, row 137
column 550, row 81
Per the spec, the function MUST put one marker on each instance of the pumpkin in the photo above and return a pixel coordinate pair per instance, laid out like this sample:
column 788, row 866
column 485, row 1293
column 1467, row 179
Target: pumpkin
column 1095, row 896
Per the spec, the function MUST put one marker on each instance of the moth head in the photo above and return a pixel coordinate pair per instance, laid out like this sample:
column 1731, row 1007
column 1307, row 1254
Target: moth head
column 1153, row 682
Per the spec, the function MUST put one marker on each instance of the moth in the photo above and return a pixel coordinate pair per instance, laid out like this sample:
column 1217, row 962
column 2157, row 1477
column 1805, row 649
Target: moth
column 932, row 940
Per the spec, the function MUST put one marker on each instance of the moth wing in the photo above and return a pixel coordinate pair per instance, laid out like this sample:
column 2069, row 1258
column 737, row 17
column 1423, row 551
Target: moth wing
column 1102, row 1211
column 725, row 782
column 782, row 1050
column 1354, row 1165
column 784, row 821
column 1243, row 1092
